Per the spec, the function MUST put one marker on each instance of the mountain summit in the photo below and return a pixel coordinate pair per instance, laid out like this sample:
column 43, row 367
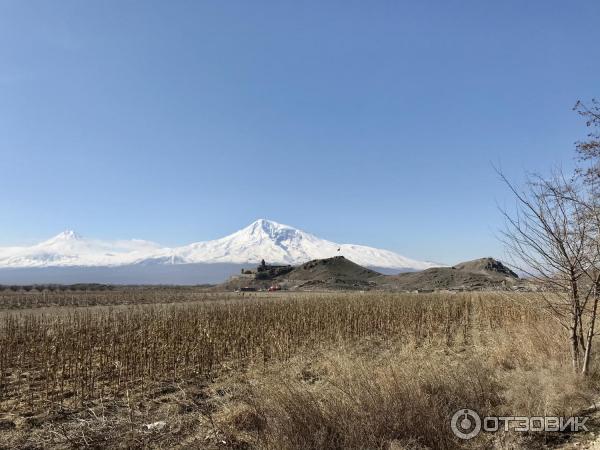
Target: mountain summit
column 262, row 239
column 67, row 235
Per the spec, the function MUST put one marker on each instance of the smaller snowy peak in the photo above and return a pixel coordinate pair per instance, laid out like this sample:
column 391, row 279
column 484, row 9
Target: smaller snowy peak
column 71, row 249
column 65, row 236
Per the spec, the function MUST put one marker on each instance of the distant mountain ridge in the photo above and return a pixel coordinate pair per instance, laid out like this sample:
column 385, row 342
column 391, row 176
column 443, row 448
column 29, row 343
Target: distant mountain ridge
column 262, row 239
column 339, row 273
column 483, row 273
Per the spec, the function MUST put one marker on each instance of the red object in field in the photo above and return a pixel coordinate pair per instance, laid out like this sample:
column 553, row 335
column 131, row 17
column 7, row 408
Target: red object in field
column 274, row 288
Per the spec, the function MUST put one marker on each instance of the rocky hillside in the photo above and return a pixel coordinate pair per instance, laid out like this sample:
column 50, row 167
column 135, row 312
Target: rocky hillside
column 332, row 273
column 339, row 273
column 487, row 266
column 479, row 274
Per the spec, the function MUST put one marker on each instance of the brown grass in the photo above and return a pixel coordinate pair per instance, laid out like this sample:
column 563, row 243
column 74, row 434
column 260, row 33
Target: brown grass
column 368, row 370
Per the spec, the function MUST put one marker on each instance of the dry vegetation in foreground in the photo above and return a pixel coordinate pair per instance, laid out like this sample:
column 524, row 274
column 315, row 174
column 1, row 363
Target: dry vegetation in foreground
column 341, row 370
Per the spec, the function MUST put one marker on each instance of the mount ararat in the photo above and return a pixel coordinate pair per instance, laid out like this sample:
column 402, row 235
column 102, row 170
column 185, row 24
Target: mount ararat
column 71, row 258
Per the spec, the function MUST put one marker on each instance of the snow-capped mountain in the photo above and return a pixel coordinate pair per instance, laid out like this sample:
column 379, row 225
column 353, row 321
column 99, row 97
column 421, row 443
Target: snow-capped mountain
column 70, row 249
column 277, row 243
column 263, row 239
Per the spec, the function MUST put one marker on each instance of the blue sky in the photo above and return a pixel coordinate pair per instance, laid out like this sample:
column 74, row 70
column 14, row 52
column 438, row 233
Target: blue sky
column 363, row 122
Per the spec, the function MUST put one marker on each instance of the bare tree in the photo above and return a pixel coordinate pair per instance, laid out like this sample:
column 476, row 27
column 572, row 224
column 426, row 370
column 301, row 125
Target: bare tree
column 591, row 268
column 588, row 151
column 553, row 236
column 546, row 236
column 585, row 212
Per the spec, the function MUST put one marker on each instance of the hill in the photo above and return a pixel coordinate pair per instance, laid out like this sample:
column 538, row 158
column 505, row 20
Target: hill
column 339, row 273
column 484, row 273
column 332, row 273
column 336, row 273
column 488, row 266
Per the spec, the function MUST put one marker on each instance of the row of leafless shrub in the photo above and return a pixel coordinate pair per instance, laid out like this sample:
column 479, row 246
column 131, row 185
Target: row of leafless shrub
column 64, row 296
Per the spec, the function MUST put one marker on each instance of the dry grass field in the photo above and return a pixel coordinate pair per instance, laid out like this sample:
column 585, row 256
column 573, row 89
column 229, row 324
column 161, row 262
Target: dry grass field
column 181, row 368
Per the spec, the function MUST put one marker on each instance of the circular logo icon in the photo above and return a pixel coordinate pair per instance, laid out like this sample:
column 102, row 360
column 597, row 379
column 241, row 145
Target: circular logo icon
column 466, row 424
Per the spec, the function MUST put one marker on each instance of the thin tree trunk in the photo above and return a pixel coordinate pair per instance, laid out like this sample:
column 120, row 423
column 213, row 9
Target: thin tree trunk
column 574, row 343
column 590, row 335
column 580, row 334
column 575, row 322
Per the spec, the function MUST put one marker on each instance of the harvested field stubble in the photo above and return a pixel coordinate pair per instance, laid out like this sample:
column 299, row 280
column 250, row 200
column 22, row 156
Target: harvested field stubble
column 340, row 370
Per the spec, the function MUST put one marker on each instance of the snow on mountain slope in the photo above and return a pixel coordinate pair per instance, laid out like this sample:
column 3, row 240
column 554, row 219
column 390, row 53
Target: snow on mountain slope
column 70, row 249
column 277, row 243
column 263, row 239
